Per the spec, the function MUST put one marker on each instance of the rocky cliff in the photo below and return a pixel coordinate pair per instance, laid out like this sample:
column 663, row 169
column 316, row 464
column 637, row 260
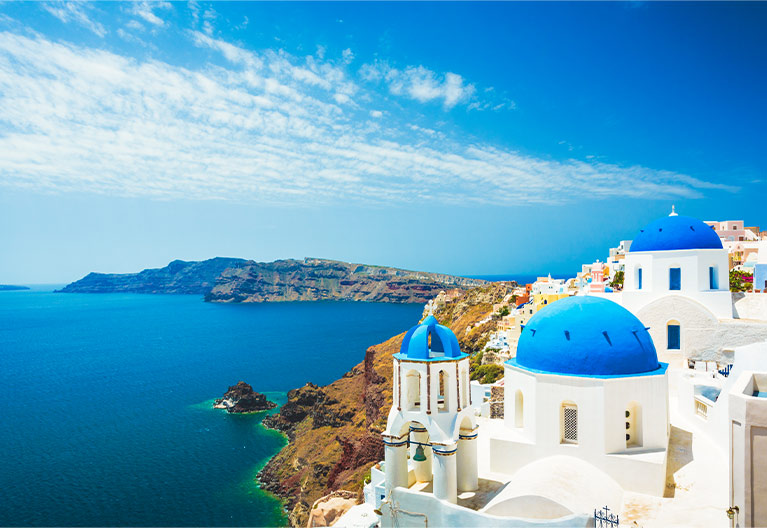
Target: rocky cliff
column 334, row 431
column 319, row 279
column 177, row 277
column 238, row 280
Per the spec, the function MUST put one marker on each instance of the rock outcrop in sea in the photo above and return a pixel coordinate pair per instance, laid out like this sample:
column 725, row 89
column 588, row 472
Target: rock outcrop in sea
column 241, row 398
column 334, row 431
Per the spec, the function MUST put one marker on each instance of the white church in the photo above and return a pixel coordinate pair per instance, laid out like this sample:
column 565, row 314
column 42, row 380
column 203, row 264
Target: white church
column 602, row 416
column 677, row 283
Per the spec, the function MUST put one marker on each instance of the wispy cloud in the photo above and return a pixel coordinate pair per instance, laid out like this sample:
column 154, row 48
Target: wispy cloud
column 420, row 83
column 146, row 10
column 263, row 127
column 76, row 12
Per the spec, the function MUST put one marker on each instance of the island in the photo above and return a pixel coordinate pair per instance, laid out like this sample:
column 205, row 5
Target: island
column 233, row 280
column 241, row 398
column 12, row 287
column 195, row 277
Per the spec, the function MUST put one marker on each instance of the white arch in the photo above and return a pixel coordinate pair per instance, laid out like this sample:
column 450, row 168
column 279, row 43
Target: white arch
column 411, row 385
column 519, row 409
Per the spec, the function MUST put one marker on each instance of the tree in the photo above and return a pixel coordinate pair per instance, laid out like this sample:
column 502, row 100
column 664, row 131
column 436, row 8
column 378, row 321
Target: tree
column 503, row 312
column 617, row 282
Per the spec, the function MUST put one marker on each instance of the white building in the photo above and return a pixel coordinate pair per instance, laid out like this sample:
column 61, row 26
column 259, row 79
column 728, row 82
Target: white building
column 586, row 382
column 431, row 422
column 586, row 420
column 677, row 283
column 616, row 257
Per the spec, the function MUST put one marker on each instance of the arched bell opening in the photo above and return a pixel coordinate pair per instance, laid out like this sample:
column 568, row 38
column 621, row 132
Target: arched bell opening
column 412, row 390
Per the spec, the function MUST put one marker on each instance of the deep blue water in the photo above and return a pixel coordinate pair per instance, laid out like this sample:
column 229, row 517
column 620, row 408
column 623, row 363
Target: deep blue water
column 106, row 416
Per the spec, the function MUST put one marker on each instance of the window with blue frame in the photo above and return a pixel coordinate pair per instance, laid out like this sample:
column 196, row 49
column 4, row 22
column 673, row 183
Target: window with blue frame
column 713, row 283
column 675, row 278
column 639, row 278
column 674, row 337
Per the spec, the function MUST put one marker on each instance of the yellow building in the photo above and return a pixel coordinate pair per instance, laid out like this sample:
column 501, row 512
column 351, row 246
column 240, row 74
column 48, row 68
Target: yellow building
column 542, row 299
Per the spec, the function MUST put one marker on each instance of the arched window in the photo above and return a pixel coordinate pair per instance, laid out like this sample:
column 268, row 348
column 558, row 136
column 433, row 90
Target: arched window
column 633, row 425
column 639, row 278
column 673, row 335
column 412, row 390
column 519, row 409
column 569, row 423
column 443, row 405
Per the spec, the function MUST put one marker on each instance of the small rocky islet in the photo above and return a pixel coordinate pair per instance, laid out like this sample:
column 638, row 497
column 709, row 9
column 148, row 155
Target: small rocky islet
column 241, row 398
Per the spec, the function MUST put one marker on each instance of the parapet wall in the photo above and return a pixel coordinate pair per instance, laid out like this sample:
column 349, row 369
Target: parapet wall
column 750, row 305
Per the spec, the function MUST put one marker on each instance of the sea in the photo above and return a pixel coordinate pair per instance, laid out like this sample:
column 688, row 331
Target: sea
column 107, row 415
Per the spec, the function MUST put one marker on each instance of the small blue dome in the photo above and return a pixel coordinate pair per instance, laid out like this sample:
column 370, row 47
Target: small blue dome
column 586, row 336
column 444, row 344
column 676, row 232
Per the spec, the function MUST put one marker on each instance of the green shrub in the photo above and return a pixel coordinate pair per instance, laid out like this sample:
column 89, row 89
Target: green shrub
column 487, row 373
column 741, row 281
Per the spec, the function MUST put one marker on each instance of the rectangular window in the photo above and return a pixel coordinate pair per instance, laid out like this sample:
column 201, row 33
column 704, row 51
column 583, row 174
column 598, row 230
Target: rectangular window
column 713, row 283
column 570, row 424
column 675, row 278
column 639, row 279
column 674, row 337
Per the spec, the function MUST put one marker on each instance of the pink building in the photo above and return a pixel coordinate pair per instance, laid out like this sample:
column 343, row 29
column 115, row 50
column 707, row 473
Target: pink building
column 732, row 230
column 597, row 277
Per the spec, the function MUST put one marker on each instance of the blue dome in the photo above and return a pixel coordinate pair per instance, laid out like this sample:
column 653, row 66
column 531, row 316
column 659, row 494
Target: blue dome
column 586, row 336
column 444, row 344
column 676, row 232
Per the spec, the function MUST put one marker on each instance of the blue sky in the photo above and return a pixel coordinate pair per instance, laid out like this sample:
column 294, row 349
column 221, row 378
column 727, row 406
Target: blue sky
column 467, row 138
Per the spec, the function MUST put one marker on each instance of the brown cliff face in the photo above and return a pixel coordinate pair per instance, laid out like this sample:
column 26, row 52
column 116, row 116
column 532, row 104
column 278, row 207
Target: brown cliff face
column 319, row 279
column 335, row 431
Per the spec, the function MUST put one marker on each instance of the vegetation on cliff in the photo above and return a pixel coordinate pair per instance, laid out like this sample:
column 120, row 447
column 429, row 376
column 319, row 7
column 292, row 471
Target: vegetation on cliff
column 335, row 431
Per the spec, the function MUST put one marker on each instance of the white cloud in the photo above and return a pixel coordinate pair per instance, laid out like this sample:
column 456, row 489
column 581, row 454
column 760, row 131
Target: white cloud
column 420, row 83
column 75, row 12
column 348, row 55
column 146, row 10
column 208, row 17
column 261, row 128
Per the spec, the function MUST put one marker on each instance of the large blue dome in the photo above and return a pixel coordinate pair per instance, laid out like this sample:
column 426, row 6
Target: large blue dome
column 676, row 232
column 586, row 336
column 430, row 340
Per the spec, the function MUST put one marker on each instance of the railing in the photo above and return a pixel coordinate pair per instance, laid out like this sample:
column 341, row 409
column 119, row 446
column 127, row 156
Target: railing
column 604, row 519
column 725, row 371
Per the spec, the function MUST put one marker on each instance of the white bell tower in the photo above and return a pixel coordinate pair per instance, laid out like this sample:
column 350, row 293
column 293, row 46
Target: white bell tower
column 431, row 434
